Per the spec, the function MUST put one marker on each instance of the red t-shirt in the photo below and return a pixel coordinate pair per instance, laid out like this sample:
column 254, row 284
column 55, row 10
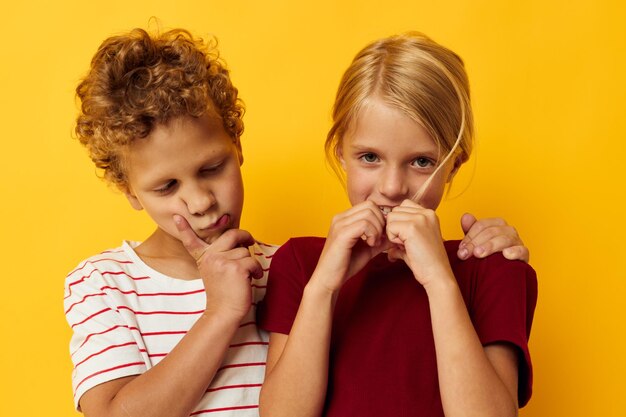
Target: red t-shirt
column 382, row 354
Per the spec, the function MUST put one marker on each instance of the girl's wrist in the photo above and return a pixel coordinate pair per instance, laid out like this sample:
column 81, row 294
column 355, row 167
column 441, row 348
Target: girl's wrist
column 444, row 283
column 317, row 289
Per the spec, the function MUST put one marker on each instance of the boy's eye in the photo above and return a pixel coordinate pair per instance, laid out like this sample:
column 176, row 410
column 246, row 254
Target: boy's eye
column 369, row 157
column 211, row 169
column 166, row 188
column 423, row 162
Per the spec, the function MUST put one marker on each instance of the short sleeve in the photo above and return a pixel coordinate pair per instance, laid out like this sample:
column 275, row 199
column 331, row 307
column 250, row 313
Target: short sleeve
column 502, row 309
column 285, row 286
column 102, row 347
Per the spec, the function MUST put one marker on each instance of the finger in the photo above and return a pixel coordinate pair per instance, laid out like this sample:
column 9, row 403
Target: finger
column 194, row 245
column 395, row 253
column 254, row 267
column 517, row 253
column 233, row 238
column 367, row 229
column 494, row 244
column 507, row 233
column 467, row 220
column 482, row 224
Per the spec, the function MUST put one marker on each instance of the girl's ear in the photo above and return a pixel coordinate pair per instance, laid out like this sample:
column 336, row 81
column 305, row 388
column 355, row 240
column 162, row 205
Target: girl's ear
column 340, row 158
column 455, row 169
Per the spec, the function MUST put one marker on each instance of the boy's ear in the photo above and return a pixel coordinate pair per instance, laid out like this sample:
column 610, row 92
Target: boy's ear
column 455, row 169
column 134, row 201
column 239, row 152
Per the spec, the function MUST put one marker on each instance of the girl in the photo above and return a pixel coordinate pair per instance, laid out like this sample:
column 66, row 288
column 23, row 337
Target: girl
column 381, row 318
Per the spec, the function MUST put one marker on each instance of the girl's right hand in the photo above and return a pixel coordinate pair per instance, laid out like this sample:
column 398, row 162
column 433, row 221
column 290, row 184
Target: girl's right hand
column 226, row 267
column 355, row 237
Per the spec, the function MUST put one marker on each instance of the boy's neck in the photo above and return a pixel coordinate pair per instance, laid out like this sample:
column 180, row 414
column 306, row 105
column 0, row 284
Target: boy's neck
column 166, row 254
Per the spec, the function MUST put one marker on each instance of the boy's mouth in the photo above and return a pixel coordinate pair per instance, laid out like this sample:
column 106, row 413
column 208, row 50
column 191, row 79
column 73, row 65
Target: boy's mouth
column 218, row 224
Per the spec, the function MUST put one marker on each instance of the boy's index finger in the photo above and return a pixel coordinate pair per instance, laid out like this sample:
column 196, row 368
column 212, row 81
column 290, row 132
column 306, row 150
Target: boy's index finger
column 233, row 238
column 194, row 245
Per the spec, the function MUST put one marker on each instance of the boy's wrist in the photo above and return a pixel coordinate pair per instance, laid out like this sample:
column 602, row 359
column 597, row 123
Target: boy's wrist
column 225, row 315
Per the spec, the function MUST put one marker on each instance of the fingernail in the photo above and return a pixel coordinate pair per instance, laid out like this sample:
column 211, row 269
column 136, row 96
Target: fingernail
column 479, row 251
column 463, row 253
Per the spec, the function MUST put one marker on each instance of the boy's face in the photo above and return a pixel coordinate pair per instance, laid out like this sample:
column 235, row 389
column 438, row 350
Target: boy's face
column 387, row 157
column 190, row 167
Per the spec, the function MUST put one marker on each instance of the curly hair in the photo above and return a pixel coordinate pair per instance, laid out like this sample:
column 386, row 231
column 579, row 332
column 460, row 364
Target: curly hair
column 138, row 80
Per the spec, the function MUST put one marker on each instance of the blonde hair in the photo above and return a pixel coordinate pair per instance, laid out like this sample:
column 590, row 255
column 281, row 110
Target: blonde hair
column 138, row 80
column 416, row 75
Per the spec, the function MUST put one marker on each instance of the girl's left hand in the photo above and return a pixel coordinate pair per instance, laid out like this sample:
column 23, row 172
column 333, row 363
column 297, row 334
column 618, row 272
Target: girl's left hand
column 416, row 232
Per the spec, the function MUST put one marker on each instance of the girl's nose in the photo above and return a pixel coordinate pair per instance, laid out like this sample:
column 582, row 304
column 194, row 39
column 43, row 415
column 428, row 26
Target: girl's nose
column 393, row 185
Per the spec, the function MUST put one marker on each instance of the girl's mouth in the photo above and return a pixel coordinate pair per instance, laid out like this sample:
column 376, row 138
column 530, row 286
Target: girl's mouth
column 385, row 210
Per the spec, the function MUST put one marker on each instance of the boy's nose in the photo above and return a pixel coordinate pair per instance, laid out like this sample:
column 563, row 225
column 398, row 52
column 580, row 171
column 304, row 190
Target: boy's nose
column 393, row 185
column 199, row 201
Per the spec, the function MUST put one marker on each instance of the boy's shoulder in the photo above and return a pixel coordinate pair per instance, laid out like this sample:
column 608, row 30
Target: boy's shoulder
column 114, row 261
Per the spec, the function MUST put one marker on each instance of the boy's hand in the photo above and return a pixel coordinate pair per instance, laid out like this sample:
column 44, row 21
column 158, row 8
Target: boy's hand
column 486, row 236
column 225, row 266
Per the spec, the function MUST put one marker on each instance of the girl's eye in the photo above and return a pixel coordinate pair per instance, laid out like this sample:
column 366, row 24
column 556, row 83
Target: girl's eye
column 166, row 188
column 369, row 157
column 423, row 162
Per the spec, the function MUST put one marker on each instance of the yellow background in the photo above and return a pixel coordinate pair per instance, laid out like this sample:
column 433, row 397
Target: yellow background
column 549, row 95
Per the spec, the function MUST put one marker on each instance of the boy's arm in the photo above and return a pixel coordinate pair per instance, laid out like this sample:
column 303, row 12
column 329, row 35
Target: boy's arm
column 175, row 385
column 487, row 236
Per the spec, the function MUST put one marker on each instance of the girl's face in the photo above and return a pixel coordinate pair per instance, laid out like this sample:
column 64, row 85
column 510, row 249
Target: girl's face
column 387, row 157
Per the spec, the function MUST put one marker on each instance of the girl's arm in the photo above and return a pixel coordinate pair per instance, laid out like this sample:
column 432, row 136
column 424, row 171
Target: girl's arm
column 473, row 380
column 175, row 385
column 296, row 375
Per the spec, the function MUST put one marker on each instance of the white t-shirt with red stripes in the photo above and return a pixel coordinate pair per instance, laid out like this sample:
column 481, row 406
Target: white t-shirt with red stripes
column 126, row 316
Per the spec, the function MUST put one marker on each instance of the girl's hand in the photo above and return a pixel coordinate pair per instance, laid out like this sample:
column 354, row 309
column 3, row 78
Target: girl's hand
column 486, row 236
column 355, row 237
column 417, row 237
column 225, row 266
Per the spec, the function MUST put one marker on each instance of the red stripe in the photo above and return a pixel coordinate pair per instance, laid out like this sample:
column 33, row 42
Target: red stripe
column 265, row 269
column 69, row 286
column 147, row 313
column 258, row 286
column 263, row 255
column 247, row 324
column 247, row 344
column 234, row 387
column 93, row 315
column 214, row 410
column 164, row 333
column 126, row 365
column 83, row 300
column 93, row 261
column 152, row 294
column 102, row 351
column 113, row 251
column 102, row 273
column 99, row 333
column 241, row 365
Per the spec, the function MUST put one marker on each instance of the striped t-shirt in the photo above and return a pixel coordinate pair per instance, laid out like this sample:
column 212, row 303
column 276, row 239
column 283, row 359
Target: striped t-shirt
column 126, row 317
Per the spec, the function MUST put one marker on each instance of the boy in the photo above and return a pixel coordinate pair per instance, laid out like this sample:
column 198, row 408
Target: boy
column 161, row 118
